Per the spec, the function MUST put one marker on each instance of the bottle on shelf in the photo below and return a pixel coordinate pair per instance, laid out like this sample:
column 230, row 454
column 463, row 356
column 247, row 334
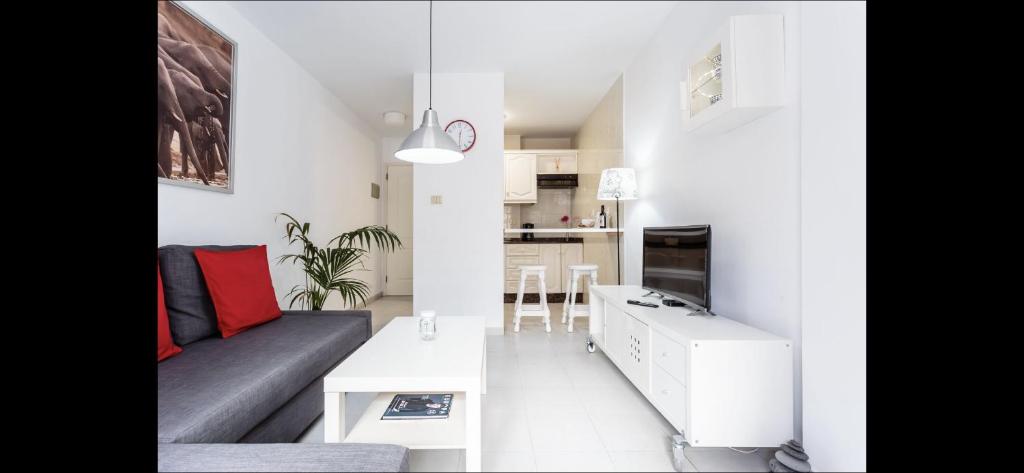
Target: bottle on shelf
column 602, row 219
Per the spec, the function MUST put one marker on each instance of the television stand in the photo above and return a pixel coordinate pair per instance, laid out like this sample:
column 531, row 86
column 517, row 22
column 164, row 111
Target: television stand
column 718, row 382
column 655, row 294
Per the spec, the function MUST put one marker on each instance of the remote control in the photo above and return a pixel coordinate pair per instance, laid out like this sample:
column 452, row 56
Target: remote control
column 645, row 304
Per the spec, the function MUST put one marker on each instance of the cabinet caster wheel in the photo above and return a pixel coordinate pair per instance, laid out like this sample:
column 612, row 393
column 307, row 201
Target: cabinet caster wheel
column 590, row 347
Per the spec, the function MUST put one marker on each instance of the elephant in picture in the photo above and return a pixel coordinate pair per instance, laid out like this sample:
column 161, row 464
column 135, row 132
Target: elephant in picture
column 216, row 133
column 210, row 145
column 164, row 28
column 173, row 65
column 194, row 100
column 172, row 118
column 193, row 59
column 223, row 65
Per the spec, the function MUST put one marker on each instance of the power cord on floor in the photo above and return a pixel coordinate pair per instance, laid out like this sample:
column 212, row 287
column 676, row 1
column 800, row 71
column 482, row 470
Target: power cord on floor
column 742, row 451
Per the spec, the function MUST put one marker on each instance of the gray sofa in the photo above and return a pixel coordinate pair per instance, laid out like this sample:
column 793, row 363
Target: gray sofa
column 263, row 386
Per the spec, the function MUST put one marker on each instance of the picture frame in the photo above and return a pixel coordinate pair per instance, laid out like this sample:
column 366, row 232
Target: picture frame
column 195, row 102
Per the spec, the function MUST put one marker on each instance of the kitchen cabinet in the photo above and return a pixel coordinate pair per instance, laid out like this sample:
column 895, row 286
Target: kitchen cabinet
column 570, row 254
column 557, row 162
column 520, row 178
column 556, row 256
column 551, row 256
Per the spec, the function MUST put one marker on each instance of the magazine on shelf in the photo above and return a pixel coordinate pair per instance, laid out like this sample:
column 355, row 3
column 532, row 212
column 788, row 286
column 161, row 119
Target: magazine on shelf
column 419, row 406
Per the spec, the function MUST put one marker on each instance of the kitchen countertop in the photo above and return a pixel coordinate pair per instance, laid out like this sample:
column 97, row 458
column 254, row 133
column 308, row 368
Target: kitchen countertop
column 563, row 230
column 548, row 240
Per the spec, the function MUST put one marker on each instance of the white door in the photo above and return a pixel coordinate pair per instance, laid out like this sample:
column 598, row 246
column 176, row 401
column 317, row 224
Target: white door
column 398, row 280
column 521, row 177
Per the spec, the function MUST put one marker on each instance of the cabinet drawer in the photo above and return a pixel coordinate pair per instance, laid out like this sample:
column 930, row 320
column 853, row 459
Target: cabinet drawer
column 513, row 262
column 513, row 286
column 522, row 249
column 669, row 396
column 669, row 355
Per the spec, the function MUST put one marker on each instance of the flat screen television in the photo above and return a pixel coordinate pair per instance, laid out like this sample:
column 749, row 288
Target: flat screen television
column 677, row 263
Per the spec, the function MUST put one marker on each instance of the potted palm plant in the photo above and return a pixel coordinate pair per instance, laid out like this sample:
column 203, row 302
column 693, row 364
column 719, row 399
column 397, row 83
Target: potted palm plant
column 330, row 269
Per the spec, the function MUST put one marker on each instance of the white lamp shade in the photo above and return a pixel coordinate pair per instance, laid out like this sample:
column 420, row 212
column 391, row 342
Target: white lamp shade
column 617, row 183
column 429, row 144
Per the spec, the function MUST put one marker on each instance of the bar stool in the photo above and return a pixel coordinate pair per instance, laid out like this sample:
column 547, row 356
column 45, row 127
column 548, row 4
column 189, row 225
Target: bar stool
column 532, row 310
column 570, row 309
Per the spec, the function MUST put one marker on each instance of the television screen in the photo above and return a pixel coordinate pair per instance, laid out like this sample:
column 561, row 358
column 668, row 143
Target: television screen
column 677, row 263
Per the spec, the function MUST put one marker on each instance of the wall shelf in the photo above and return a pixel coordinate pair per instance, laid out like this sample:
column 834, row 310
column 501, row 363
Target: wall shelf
column 738, row 76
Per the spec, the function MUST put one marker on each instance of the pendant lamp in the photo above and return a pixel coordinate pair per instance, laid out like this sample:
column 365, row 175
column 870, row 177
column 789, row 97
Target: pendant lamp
column 429, row 144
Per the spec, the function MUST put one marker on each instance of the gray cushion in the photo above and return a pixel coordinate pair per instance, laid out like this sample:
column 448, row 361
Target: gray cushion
column 282, row 457
column 189, row 306
column 289, row 422
column 218, row 389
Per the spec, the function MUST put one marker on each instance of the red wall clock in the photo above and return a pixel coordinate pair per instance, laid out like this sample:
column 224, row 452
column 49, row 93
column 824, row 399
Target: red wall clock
column 463, row 133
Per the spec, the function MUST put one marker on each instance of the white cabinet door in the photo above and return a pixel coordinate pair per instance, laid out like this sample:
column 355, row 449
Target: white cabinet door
column 557, row 162
column 550, row 256
column 521, row 178
column 615, row 333
column 637, row 348
column 572, row 253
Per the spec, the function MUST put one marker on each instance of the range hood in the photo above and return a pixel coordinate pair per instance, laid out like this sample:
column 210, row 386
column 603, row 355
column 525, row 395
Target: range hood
column 557, row 181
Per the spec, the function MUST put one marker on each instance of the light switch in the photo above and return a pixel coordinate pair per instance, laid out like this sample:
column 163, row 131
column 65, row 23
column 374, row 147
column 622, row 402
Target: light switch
column 435, row 200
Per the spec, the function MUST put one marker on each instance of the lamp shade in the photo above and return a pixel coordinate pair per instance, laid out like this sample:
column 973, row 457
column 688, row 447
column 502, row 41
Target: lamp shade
column 617, row 183
column 429, row 143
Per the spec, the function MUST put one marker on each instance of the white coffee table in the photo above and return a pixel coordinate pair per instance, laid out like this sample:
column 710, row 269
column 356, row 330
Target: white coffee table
column 395, row 361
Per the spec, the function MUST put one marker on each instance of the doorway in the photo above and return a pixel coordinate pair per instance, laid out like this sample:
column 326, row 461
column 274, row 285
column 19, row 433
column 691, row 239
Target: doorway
column 398, row 273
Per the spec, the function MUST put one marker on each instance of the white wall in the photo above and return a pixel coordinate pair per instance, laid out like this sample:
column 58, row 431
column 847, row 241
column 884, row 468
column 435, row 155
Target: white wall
column 785, row 197
column 744, row 183
column 599, row 142
column 298, row 149
column 458, row 261
column 833, row 192
column 513, row 142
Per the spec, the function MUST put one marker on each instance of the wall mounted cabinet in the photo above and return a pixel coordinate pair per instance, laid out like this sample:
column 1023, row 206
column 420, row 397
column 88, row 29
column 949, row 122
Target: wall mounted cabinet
column 523, row 166
column 736, row 76
column 556, row 161
column 520, row 178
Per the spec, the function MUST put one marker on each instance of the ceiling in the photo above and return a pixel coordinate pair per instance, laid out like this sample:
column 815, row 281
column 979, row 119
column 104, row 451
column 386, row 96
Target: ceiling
column 559, row 58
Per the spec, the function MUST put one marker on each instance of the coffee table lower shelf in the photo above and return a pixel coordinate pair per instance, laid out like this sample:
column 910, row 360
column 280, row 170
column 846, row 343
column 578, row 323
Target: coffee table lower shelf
column 415, row 434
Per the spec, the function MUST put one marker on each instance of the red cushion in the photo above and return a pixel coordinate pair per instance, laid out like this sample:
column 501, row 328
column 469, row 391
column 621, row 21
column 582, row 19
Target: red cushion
column 240, row 286
column 165, row 347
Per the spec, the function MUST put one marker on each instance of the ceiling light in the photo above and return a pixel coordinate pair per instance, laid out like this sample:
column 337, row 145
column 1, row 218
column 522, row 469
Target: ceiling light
column 394, row 117
column 429, row 144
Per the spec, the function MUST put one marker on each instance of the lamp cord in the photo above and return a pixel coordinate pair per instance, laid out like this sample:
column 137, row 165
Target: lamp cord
column 430, row 56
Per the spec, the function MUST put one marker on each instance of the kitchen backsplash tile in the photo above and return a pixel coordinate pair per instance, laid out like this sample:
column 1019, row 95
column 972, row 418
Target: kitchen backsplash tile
column 551, row 205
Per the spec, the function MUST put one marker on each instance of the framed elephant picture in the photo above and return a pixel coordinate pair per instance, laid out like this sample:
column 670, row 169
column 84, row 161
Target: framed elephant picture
column 195, row 83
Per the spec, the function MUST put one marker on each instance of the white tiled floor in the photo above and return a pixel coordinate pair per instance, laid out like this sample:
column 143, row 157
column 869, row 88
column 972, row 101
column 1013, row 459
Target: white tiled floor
column 551, row 406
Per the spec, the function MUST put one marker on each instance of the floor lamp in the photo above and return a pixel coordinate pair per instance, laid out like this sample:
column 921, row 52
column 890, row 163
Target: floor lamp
column 617, row 184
